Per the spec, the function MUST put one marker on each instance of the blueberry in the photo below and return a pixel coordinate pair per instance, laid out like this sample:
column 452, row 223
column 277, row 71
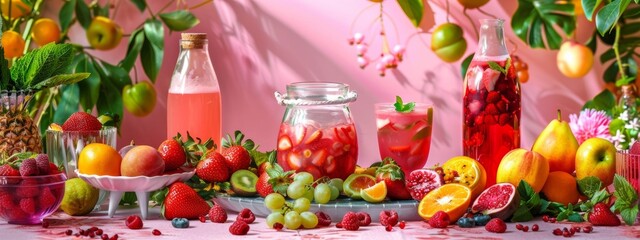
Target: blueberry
column 180, row 223
column 481, row 219
column 466, row 222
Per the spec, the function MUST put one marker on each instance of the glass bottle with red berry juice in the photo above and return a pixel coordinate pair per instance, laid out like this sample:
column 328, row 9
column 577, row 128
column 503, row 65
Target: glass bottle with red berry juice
column 491, row 101
column 317, row 134
column 193, row 102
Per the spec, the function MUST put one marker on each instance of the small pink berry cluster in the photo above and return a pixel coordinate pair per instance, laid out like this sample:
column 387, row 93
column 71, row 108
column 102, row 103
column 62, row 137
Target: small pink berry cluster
column 387, row 60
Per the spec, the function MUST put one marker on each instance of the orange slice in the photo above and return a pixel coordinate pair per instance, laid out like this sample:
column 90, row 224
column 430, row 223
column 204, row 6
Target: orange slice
column 453, row 198
column 466, row 171
column 374, row 194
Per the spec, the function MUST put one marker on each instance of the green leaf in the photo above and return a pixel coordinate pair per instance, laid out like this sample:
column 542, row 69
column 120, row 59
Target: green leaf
column 589, row 7
column 110, row 100
column 575, row 217
column 60, row 79
column 465, row 65
column 83, row 14
column 402, row 107
column 66, row 14
column 68, row 103
column 140, row 4
column 522, row 214
column 624, row 191
column 128, row 198
column 526, row 191
column 41, row 64
column 179, row 20
column 495, row 66
column 605, row 101
column 133, row 50
column 90, row 87
column 608, row 16
column 152, row 49
column 116, row 74
column 629, row 215
column 413, row 9
column 592, row 43
column 607, row 55
column 533, row 17
column 630, row 28
column 5, row 74
column 588, row 186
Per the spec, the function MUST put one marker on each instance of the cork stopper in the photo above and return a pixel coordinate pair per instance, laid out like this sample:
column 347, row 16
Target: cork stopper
column 193, row 40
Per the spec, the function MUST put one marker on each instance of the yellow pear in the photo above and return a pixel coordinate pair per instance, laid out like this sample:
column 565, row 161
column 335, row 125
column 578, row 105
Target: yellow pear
column 558, row 145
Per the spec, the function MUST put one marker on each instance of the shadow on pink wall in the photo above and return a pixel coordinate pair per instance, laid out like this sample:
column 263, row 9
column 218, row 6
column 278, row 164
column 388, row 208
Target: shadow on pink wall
column 257, row 47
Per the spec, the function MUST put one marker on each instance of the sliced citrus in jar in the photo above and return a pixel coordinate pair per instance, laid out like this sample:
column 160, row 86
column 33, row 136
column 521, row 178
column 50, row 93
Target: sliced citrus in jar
column 453, row 199
column 466, row 171
column 374, row 194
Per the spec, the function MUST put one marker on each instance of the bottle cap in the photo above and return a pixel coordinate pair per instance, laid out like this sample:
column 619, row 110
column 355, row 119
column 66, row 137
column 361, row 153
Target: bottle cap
column 193, row 40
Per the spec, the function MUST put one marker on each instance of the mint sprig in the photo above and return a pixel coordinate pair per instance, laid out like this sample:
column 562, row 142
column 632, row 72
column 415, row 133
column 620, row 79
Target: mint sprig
column 497, row 67
column 402, row 107
column 626, row 200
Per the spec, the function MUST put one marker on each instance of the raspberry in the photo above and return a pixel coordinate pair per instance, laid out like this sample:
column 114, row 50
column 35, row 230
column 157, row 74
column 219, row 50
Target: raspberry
column 217, row 214
column 496, row 225
column 156, row 232
column 28, row 188
column 388, row 228
column 133, row 222
column 350, row 221
column 42, row 162
column 323, row 219
column 439, row 220
column 239, row 227
column 401, row 224
column 388, row 218
column 29, row 168
column 246, row 215
column 202, row 219
column 277, row 226
column 364, row 219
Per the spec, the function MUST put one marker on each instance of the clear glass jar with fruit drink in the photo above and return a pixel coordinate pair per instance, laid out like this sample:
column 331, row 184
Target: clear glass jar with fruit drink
column 404, row 134
column 491, row 101
column 193, row 102
column 317, row 134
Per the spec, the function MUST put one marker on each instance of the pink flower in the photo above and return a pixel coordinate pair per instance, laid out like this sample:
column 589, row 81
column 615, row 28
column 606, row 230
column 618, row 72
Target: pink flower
column 590, row 123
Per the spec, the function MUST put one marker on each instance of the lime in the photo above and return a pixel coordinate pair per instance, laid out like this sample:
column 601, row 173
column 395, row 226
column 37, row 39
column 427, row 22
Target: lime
column 79, row 197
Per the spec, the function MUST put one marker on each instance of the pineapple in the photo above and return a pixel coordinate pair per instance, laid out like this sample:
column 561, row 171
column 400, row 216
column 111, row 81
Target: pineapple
column 39, row 69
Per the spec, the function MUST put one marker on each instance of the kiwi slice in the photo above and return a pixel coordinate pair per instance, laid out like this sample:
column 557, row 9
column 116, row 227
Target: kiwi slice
column 243, row 183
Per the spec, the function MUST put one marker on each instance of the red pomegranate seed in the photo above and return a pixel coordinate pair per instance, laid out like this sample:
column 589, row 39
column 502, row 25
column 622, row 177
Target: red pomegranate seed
column 114, row 237
column 388, row 228
column 525, row 228
column 339, row 225
column 68, row 232
column 587, row 229
column 77, row 235
column 552, row 220
column 576, row 229
column 402, row 225
column 545, row 218
column 557, row 232
column 91, row 234
column 202, row 219
column 519, row 226
column 82, row 232
column 572, row 231
column 99, row 232
column 156, row 232
column 566, row 234
column 105, row 237
column 93, row 229
column 535, row 227
column 277, row 226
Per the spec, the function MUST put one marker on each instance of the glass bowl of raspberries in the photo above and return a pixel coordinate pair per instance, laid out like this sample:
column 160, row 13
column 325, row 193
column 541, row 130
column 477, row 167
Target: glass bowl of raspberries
column 31, row 188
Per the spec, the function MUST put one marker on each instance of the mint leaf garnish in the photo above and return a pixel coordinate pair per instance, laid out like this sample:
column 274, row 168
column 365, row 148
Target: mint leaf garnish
column 402, row 107
column 588, row 186
column 497, row 67
column 626, row 198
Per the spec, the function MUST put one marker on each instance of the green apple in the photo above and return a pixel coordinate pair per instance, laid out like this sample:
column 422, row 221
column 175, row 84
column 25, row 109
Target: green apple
column 596, row 157
column 103, row 33
column 448, row 42
column 139, row 99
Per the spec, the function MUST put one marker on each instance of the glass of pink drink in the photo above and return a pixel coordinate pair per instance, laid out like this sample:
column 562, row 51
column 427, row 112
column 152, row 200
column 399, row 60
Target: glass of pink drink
column 405, row 136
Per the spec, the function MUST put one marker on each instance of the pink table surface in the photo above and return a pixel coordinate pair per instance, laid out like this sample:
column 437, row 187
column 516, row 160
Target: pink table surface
column 60, row 222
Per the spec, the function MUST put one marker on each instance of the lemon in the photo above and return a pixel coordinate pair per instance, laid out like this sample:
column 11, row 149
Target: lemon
column 79, row 197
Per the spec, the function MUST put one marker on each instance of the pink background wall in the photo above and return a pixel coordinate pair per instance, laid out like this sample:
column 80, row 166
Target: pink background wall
column 258, row 47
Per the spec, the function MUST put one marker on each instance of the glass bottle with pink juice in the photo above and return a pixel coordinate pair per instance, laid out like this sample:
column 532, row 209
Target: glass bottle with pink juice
column 193, row 102
column 491, row 101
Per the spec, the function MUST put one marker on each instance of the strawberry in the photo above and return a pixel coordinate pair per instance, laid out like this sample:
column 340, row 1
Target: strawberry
column 262, row 186
column 7, row 170
column 28, row 188
column 496, row 225
column 182, row 201
column 172, row 153
column 602, row 216
column 236, row 152
column 193, row 149
column 439, row 220
column 53, row 169
column 83, row 122
column 263, row 167
column 393, row 177
column 213, row 168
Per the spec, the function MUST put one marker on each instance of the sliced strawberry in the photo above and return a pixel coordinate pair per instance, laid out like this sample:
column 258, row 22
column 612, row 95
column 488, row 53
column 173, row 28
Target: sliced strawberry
column 349, row 132
column 489, row 78
column 298, row 134
column 284, row 143
column 294, row 160
column 400, row 149
column 314, row 136
column 319, row 157
column 331, row 165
